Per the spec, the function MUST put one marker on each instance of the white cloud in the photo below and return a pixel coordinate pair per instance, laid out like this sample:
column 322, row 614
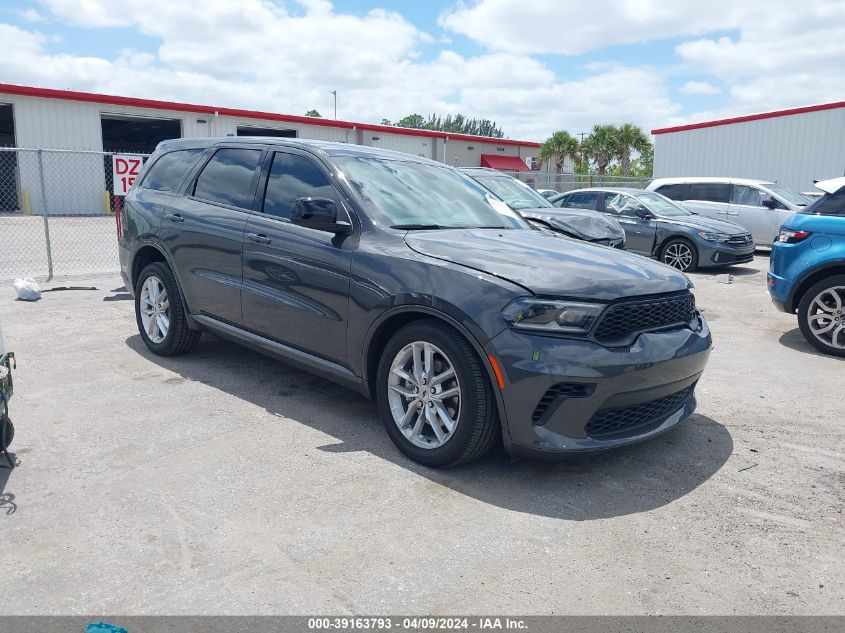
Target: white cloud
column 699, row 88
column 31, row 15
column 305, row 50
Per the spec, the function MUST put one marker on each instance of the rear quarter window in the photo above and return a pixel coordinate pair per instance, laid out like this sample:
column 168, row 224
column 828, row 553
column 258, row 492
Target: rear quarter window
column 169, row 171
column 829, row 204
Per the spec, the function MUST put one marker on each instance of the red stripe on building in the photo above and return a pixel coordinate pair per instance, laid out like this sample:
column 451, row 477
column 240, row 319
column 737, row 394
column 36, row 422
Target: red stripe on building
column 751, row 117
column 91, row 97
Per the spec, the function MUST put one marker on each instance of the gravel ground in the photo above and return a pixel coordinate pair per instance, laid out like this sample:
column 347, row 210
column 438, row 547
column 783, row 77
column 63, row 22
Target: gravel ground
column 226, row 482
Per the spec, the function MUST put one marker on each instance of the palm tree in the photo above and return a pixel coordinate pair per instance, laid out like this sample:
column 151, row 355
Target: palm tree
column 558, row 147
column 602, row 146
column 630, row 137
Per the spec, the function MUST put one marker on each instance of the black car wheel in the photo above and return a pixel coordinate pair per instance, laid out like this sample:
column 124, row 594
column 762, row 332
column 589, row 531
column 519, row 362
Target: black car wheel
column 821, row 315
column 679, row 253
column 434, row 397
column 160, row 313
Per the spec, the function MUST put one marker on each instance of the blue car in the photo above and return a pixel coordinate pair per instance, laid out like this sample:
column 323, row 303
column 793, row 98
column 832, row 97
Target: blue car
column 807, row 269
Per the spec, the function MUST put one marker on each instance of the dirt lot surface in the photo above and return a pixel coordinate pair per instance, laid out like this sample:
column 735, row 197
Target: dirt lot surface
column 226, row 482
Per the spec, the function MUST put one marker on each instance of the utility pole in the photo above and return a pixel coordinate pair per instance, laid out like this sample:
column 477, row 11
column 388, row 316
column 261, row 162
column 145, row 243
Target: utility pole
column 583, row 153
column 334, row 92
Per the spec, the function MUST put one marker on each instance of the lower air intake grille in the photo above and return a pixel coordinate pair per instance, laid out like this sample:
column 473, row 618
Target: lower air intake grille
column 561, row 390
column 609, row 422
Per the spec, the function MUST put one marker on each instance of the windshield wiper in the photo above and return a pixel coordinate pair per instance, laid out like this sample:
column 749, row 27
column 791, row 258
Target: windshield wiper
column 416, row 227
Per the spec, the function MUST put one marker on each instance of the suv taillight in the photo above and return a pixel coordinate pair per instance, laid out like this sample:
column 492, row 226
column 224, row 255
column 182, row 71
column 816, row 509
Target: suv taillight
column 118, row 220
column 792, row 237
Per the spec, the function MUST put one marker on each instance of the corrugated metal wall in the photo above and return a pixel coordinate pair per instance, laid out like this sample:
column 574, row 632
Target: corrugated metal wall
column 792, row 150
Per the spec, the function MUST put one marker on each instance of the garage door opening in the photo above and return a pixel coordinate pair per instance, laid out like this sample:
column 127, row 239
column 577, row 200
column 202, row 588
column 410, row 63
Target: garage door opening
column 138, row 135
column 8, row 161
column 244, row 130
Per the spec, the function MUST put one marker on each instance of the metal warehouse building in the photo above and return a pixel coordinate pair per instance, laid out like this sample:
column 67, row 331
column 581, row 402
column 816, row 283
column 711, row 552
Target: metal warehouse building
column 791, row 147
column 85, row 122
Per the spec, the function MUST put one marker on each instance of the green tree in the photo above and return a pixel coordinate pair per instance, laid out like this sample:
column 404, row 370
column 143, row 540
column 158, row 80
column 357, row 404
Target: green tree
column 557, row 148
column 630, row 138
column 602, row 146
column 412, row 120
column 314, row 113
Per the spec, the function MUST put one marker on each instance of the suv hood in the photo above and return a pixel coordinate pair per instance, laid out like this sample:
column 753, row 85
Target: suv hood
column 582, row 223
column 547, row 265
column 702, row 223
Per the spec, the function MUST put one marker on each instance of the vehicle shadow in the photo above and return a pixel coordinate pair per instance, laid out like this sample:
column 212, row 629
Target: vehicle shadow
column 736, row 271
column 795, row 340
column 7, row 499
column 626, row 481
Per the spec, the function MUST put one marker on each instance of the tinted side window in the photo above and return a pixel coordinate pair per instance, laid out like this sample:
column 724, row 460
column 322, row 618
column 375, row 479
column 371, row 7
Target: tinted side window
column 829, row 204
column 170, row 170
column 584, row 200
column 679, row 191
column 227, row 178
column 709, row 191
column 291, row 177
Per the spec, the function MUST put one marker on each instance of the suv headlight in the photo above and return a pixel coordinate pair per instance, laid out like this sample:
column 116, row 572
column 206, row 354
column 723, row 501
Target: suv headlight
column 551, row 315
column 714, row 237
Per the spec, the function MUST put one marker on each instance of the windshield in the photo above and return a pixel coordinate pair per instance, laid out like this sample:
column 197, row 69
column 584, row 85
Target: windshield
column 515, row 193
column 409, row 195
column 792, row 197
column 661, row 205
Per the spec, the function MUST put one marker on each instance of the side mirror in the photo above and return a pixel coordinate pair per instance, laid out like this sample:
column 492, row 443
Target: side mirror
column 770, row 203
column 644, row 213
column 317, row 213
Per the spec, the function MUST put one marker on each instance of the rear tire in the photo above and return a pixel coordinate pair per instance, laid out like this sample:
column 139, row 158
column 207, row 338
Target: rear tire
column 160, row 313
column 680, row 254
column 818, row 313
column 470, row 412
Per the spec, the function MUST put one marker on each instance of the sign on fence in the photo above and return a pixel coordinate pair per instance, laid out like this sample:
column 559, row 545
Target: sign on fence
column 125, row 169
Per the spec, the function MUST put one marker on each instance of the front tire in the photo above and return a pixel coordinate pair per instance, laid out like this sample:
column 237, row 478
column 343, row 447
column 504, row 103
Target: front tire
column 435, row 400
column 821, row 315
column 160, row 313
column 680, row 254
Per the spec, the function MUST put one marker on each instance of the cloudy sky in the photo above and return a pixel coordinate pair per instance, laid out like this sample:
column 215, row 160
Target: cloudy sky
column 532, row 65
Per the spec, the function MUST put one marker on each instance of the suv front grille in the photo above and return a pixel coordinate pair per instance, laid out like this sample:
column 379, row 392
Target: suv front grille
column 622, row 320
column 610, row 422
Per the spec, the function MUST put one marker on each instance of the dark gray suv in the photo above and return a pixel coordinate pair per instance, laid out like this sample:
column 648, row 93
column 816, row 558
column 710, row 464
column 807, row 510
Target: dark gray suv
column 406, row 281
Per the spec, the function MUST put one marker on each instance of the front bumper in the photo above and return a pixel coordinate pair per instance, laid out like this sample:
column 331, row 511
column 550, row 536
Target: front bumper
column 571, row 395
column 714, row 254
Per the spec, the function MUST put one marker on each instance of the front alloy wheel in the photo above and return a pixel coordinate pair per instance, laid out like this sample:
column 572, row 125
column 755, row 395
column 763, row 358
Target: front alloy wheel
column 821, row 315
column 680, row 255
column 425, row 395
column 434, row 395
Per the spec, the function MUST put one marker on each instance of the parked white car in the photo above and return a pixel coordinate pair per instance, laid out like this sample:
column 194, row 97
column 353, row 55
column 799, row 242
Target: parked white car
column 758, row 206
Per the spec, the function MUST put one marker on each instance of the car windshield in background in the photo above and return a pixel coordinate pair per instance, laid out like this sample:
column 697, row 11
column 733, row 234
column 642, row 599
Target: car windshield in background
column 405, row 194
column 514, row 193
column 792, row 197
column 661, row 205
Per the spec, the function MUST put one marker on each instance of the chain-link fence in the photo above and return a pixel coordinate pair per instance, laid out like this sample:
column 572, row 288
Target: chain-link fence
column 56, row 214
column 567, row 182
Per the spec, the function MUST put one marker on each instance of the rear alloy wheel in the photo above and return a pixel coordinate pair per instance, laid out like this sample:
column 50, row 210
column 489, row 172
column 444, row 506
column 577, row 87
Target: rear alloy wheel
column 161, row 316
column 434, row 396
column 680, row 254
column 821, row 315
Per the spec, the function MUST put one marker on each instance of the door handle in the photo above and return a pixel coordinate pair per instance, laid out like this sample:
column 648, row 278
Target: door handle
column 733, row 212
column 175, row 217
column 258, row 238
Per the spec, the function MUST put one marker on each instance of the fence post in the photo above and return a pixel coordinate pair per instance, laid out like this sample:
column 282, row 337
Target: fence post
column 44, row 212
